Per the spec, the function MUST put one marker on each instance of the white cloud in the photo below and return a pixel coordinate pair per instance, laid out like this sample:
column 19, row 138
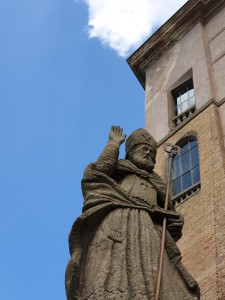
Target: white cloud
column 124, row 24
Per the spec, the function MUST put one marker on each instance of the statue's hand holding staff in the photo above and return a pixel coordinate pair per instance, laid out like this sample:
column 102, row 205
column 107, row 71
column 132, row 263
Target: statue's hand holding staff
column 175, row 227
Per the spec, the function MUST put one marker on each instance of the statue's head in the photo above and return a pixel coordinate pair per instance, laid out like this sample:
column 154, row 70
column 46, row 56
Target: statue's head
column 141, row 149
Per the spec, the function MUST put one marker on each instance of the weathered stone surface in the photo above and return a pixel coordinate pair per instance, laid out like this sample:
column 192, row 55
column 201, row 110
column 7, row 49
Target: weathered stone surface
column 203, row 245
column 115, row 243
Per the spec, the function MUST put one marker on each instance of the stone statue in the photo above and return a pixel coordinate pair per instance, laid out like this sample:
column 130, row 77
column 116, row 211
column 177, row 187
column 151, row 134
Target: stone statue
column 115, row 243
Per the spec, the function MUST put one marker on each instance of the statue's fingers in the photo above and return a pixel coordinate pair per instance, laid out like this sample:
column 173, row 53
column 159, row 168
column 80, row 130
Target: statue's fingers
column 115, row 129
column 122, row 138
column 172, row 215
column 174, row 226
column 174, row 220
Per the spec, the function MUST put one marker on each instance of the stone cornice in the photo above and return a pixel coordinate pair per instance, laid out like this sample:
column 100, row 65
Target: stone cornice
column 174, row 29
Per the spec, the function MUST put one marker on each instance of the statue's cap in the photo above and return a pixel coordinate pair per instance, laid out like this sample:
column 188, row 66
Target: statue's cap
column 140, row 136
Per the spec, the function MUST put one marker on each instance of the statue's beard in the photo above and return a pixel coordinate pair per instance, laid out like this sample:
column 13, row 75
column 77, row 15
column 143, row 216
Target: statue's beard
column 142, row 163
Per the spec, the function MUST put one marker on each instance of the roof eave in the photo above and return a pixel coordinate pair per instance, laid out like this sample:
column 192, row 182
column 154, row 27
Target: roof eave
column 169, row 33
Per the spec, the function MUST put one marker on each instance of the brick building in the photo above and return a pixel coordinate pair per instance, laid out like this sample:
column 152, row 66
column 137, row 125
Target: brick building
column 182, row 69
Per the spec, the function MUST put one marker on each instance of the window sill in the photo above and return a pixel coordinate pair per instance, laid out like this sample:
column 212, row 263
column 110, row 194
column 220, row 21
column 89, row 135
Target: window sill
column 186, row 194
column 180, row 118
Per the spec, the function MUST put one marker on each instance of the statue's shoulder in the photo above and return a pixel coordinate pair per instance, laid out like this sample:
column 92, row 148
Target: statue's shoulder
column 89, row 169
column 126, row 166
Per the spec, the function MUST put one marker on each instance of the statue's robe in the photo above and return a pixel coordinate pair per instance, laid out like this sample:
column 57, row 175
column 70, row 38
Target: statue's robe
column 115, row 243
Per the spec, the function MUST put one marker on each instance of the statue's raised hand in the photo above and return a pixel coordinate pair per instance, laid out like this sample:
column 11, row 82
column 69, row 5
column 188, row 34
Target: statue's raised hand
column 116, row 136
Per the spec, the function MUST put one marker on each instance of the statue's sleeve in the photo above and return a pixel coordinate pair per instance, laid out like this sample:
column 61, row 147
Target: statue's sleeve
column 108, row 159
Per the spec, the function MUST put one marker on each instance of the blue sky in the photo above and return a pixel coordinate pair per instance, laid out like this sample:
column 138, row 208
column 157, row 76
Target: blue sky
column 60, row 92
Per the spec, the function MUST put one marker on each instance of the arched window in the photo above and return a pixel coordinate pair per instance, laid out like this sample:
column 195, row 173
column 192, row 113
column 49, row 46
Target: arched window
column 185, row 169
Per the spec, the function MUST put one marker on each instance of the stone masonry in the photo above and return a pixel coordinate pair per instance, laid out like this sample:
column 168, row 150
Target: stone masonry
column 202, row 244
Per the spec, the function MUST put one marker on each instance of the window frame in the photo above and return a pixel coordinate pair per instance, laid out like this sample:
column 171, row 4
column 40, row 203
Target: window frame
column 178, row 117
column 178, row 90
column 188, row 191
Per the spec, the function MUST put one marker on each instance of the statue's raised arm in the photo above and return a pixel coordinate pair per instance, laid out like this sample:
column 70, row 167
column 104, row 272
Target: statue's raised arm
column 108, row 159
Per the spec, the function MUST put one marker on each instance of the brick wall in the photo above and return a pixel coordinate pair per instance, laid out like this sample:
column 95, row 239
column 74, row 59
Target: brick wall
column 203, row 241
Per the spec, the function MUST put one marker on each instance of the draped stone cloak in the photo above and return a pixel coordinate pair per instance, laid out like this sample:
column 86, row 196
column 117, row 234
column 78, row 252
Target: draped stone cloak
column 115, row 243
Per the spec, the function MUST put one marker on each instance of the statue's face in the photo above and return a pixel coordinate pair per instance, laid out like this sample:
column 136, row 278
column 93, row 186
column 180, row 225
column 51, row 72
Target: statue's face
column 143, row 156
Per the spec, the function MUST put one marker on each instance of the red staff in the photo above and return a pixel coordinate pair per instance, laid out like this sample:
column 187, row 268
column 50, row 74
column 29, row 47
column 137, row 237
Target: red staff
column 172, row 150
